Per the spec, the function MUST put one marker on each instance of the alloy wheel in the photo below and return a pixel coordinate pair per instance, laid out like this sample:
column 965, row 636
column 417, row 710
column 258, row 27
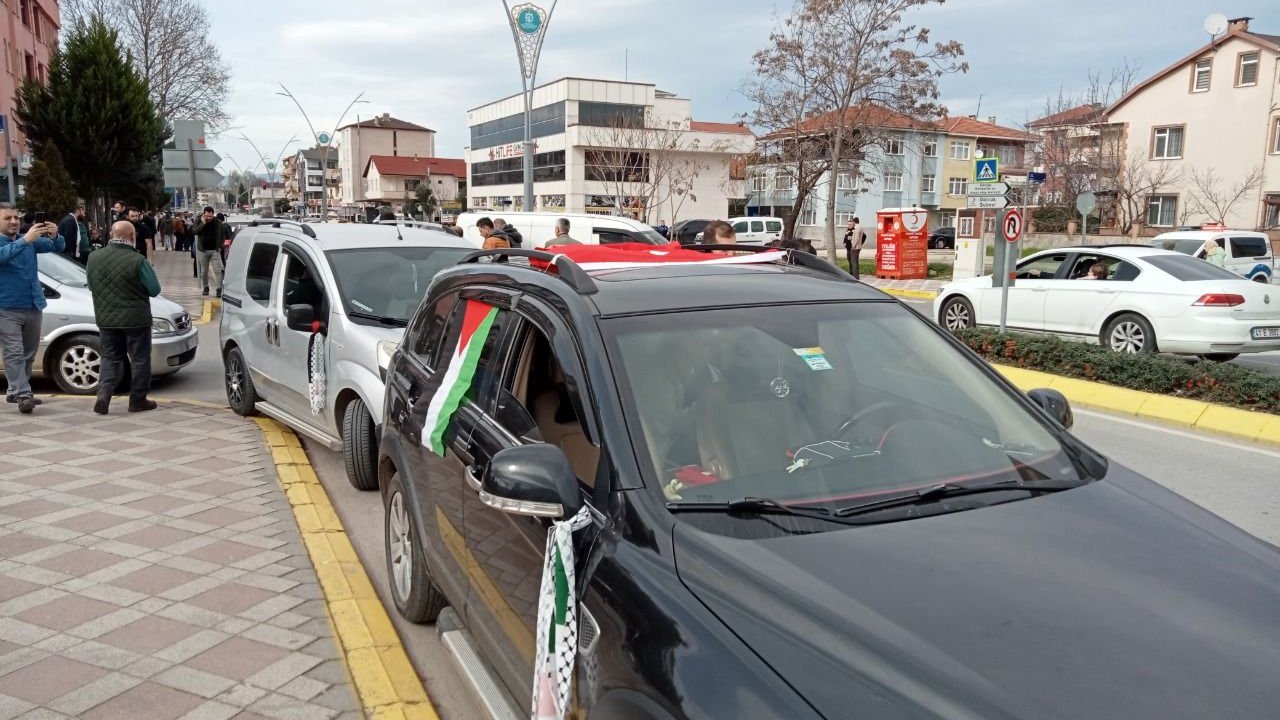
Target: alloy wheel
column 956, row 316
column 81, row 367
column 235, row 380
column 401, row 547
column 1128, row 337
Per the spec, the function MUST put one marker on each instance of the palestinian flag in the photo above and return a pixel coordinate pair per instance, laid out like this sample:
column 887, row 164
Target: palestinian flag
column 557, row 632
column 477, row 321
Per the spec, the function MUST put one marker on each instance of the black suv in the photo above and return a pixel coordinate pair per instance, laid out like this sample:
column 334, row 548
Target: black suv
column 803, row 501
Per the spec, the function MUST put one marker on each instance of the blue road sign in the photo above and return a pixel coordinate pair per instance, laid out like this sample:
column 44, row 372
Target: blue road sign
column 1036, row 178
column 986, row 170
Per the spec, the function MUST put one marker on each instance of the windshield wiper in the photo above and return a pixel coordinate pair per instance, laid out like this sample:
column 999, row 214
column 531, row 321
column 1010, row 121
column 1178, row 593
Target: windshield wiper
column 757, row 506
column 948, row 490
column 383, row 319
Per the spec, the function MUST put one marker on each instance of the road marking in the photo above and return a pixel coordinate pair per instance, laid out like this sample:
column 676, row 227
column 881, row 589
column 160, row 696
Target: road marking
column 1201, row 437
column 206, row 316
column 385, row 682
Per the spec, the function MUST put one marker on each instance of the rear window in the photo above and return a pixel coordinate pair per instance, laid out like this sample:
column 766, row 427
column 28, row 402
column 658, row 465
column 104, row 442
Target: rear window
column 1186, row 268
column 1186, row 246
column 773, row 225
column 1249, row 247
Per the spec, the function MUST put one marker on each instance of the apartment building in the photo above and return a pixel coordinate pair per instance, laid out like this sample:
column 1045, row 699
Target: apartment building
column 382, row 135
column 967, row 139
column 394, row 180
column 29, row 29
column 1216, row 109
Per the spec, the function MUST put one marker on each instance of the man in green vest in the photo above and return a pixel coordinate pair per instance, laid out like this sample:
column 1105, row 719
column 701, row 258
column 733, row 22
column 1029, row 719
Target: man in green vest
column 123, row 282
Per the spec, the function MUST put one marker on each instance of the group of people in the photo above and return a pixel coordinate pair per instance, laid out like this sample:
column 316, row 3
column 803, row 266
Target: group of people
column 122, row 282
column 498, row 234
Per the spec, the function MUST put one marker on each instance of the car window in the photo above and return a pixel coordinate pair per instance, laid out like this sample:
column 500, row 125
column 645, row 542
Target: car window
column 612, row 237
column 388, row 282
column 262, row 265
column 1124, row 271
column 428, row 329
column 1182, row 267
column 816, row 405
column 740, row 227
column 1249, row 247
column 773, row 226
column 1186, row 246
column 302, row 287
column 62, row 270
column 757, row 226
column 487, row 381
column 1044, row 267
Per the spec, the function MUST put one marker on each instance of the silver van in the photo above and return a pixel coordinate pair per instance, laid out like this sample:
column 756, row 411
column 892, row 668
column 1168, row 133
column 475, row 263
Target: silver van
column 311, row 315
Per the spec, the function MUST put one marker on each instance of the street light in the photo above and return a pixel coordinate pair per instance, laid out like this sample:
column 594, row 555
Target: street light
column 528, row 28
column 271, row 166
column 325, row 139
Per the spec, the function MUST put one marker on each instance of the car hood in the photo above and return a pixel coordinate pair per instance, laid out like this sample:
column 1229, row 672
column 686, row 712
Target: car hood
column 164, row 307
column 77, row 299
column 1117, row 599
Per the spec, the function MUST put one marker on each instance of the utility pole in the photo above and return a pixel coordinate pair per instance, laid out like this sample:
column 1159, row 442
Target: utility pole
column 528, row 28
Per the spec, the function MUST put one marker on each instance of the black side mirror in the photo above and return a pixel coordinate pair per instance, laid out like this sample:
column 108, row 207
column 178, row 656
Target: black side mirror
column 300, row 318
column 1055, row 404
column 534, row 480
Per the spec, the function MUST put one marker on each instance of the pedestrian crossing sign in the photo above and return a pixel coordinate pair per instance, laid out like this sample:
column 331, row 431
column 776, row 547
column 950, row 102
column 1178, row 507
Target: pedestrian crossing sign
column 986, row 170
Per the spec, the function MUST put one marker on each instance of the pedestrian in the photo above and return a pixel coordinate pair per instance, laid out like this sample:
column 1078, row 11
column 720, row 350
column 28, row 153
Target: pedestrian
column 719, row 232
column 209, row 239
column 386, row 213
column 854, row 238
column 122, row 284
column 144, row 238
column 166, row 232
column 562, row 234
column 96, row 241
column 149, row 218
column 119, row 211
column 663, row 230
column 22, row 301
column 70, row 228
column 493, row 240
column 227, row 236
column 512, row 234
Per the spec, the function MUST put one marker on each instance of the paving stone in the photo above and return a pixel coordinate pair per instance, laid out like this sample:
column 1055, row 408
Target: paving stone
column 20, row 659
column 65, row 612
column 105, row 624
column 81, row 562
column 242, row 695
column 238, row 658
column 232, row 598
column 44, row 681
column 157, row 504
column 147, row 667
column 279, row 637
column 196, row 682
column 99, row 655
column 43, row 714
column 212, row 710
column 95, row 693
column 283, row 707
column 192, row 646
column 148, row 635
column 156, row 537
column 147, row 700
column 11, row 707
column 303, row 688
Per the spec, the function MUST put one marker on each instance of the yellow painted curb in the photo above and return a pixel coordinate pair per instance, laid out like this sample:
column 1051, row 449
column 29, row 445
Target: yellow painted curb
column 1195, row 414
column 385, row 682
column 206, row 316
column 914, row 294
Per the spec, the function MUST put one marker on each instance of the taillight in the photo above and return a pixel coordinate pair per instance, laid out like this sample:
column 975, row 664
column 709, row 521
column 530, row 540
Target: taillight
column 1219, row 300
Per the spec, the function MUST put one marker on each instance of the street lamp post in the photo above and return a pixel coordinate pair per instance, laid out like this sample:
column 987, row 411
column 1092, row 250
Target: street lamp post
column 271, row 166
column 528, row 28
column 326, row 141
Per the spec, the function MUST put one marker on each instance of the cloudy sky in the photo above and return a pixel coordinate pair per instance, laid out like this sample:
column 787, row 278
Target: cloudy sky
column 428, row 61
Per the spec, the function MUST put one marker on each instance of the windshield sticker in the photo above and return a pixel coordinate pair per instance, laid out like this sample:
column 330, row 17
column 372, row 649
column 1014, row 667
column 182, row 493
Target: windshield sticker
column 362, row 306
column 814, row 357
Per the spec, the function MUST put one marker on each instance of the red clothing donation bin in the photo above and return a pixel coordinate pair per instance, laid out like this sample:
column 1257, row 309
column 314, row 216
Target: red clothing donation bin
column 902, row 243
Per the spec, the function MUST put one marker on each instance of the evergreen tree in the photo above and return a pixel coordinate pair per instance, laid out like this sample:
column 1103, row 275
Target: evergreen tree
column 98, row 110
column 49, row 187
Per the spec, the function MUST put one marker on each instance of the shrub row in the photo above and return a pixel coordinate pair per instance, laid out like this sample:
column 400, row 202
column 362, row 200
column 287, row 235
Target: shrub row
column 1208, row 381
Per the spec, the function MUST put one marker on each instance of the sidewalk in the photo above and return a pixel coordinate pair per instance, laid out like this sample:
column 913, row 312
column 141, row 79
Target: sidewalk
column 151, row 567
column 173, row 269
column 924, row 289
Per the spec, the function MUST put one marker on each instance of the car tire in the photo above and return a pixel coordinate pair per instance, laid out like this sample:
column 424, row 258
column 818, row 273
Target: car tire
column 360, row 446
column 939, row 244
column 956, row 314
column 76, row 364
column 242, row 396
column 1129, row 333
column 1220, row 357
column 415, row 595
column 1261, row 278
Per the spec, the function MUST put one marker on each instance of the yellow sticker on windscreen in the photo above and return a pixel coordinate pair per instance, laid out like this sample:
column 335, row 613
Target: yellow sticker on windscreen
column 814, row 357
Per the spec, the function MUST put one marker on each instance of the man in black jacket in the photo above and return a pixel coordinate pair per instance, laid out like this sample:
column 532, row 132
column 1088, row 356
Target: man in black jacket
column 69, row 228
column 209, row 238
column 509, row 232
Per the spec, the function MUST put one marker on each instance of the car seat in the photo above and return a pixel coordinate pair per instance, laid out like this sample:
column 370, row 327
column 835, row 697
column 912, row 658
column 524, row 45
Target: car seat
column 553, row 412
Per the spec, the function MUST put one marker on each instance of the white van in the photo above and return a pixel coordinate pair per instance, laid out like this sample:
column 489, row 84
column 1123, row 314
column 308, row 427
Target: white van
column 1248, row 253
column 754, row 230
column 537, row 228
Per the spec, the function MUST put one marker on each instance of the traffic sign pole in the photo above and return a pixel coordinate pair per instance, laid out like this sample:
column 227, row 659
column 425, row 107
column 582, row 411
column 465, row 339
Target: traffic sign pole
column 1011, row 231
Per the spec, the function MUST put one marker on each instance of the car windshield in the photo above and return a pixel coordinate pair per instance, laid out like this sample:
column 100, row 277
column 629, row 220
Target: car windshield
column 1183, row 267
column 818, row 405
column 388, row 282
column 62, row 270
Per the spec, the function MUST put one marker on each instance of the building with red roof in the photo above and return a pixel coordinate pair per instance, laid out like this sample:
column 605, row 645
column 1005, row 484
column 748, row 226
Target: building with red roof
column 394, row 180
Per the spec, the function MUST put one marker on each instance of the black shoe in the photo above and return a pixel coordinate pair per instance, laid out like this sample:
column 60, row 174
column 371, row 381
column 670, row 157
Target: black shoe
column 206, row 291
column 102, row 404
column 219, row 292
column 142, row 405
column 13, row 399
column 26, row 404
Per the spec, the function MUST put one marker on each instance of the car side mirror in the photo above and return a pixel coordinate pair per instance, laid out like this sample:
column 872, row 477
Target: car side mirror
column 533, row 480
column 49, row 292
column 301, row 318
column 1055, row 404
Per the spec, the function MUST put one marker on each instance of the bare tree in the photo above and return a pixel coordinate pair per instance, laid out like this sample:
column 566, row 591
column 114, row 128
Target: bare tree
column 168, row 42
column 1210, row 196
column 1132, row 186
column 648, row 163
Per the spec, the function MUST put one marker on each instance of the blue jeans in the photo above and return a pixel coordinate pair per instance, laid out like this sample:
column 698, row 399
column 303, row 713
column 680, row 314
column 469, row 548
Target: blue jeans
column 19, row 341
column 116, row 345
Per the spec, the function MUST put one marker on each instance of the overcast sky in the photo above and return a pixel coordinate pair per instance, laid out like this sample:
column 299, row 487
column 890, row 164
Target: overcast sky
column 428, row 61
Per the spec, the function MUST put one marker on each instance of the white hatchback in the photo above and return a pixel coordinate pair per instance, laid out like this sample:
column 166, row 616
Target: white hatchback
column 1151, row 300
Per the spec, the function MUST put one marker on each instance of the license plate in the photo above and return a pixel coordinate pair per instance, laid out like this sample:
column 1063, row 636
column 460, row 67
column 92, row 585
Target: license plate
column 1265, row 333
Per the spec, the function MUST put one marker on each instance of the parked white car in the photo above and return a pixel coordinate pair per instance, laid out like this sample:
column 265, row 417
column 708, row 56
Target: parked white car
column 1247, row 253
column 1151, row 300
column 537, row 228
column 754, row 230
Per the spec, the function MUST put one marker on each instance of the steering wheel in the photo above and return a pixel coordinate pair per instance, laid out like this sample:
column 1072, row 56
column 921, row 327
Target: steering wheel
column 861, row 415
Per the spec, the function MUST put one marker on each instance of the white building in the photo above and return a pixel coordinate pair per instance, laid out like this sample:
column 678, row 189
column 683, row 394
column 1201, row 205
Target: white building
column 394, row 181
column 605, row 147
column 382, row 135
column 1217, row 109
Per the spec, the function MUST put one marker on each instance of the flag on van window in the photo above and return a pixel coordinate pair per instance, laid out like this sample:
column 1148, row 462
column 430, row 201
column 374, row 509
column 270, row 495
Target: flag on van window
column 477, row 321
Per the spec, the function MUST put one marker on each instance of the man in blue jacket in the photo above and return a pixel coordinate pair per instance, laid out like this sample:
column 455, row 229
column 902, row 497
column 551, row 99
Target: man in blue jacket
column 22, row 301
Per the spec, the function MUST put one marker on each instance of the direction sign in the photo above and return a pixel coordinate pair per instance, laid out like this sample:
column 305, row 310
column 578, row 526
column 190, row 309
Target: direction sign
column 177, row 159
column 987, row 189
column 1085, row 202
column 986, row 170
column 1037, row 178
column 1011, row 225
column 979, row 202
column 182, row 178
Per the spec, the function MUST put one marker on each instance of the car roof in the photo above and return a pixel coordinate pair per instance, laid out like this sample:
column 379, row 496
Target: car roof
column 1205, row 234
column 350, row 236
column 1132, row 252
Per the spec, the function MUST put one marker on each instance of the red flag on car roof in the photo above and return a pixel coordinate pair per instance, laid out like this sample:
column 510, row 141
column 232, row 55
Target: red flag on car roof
column 623, row 255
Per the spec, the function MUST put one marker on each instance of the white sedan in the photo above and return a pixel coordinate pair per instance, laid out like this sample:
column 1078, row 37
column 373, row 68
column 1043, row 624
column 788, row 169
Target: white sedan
column 1139, row 300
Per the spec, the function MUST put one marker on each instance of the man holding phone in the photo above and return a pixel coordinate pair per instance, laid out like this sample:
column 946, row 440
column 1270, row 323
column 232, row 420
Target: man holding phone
column 22, row 300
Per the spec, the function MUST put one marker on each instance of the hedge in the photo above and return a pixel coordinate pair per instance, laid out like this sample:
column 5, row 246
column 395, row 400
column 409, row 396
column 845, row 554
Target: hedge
column 937, row 271
column 1208, row 381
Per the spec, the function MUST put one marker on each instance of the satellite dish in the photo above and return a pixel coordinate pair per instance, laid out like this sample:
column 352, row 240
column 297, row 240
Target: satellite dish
column 1215, row 24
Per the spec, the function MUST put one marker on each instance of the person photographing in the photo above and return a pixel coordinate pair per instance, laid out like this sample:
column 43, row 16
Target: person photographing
column 209, row 237
column 22, row 300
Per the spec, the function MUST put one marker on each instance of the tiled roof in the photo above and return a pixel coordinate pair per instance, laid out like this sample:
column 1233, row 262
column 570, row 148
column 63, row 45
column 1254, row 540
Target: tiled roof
column 718, row 127
column 977, row 128
column 417, row 166
column 864, row 115
column 1079, row 114
column 386, row 122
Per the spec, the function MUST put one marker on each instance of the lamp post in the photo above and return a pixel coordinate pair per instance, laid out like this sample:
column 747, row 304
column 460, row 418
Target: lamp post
column 271, row 165
column 326, row 141
column 528, row 28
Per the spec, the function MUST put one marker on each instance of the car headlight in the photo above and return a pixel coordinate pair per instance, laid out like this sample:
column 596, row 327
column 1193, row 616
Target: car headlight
column 386, row 349
column 162, row 326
